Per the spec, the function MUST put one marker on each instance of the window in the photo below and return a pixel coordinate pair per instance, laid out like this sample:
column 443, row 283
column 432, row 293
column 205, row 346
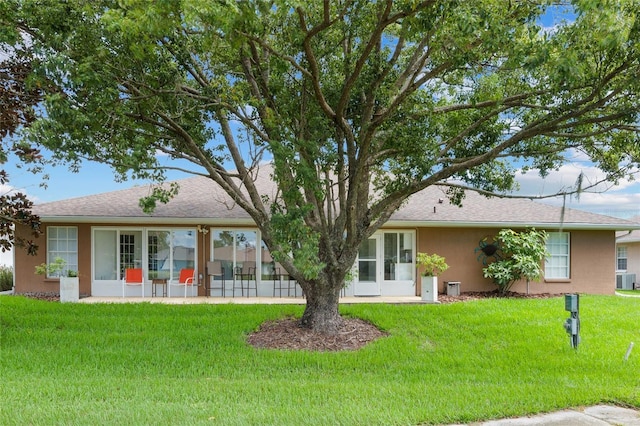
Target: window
column 62, row 242
column 621, row 258
column 367, row 258
column 557, row 264
column 129, row 256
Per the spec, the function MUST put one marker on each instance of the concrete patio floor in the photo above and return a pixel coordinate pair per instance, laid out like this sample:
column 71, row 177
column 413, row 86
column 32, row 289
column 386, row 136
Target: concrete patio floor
column 247, row 300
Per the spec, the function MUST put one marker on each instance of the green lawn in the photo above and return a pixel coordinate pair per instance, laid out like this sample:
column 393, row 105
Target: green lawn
column 189, row 364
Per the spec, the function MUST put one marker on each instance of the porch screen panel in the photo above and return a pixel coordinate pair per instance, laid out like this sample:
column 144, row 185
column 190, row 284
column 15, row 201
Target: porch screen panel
column 398, row 256
column 223, row 250
column 405, row 256
column 105, row 254
column 390, row 255
column 246, row 247
column 233, row 248
column 159, row 254
column 267, row 261
column 183, row 250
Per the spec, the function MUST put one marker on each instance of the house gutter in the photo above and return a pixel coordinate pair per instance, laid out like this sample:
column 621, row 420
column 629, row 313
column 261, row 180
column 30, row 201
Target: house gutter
column 633, row 239
column 247, row 221
column 500, row 225
column 146, row 220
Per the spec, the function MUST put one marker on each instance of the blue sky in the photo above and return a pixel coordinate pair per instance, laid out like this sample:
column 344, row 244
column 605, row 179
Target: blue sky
column 622, row 200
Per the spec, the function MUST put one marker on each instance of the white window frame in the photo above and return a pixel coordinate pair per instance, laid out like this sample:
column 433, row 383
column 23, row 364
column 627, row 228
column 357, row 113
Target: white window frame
column 622, row 254
column 65, row 248
column 559, row 259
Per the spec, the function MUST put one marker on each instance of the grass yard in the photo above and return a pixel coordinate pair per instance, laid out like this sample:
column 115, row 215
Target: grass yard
column 136, row 364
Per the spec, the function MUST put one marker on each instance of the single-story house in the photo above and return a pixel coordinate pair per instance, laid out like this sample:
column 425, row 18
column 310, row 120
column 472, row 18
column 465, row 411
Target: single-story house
column 628, row 258
column 102, row 235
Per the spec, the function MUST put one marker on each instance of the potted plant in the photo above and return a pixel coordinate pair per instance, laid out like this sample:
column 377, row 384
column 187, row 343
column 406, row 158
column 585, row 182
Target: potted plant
column 69, row 281
column 432, row 265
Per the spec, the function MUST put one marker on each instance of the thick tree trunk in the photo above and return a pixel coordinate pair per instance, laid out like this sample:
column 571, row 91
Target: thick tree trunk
column 321, row 313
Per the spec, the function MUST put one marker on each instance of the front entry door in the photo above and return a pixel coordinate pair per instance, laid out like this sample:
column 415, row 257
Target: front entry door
column 369, row 271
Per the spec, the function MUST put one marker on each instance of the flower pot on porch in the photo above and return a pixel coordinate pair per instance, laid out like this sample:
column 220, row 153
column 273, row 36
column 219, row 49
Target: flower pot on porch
column 429, row 289
column 69, row 289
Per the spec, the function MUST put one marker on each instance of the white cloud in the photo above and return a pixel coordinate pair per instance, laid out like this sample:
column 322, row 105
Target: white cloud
column 6, row 258
column 6, row 189
column 621, row 200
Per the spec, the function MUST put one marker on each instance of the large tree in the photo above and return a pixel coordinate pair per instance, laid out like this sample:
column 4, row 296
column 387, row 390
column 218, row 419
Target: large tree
column 17, row 100
column 358, row 104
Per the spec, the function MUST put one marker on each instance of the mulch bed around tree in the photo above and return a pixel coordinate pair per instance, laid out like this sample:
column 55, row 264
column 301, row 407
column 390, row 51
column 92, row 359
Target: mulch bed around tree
column 289, row 335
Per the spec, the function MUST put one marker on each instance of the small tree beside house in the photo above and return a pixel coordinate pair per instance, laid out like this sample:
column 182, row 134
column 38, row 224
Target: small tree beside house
column 69, row 281
column 523, row 254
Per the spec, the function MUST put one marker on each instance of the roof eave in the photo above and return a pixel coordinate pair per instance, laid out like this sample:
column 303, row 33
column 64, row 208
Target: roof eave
column 539, row 225
column 146, row 219
column 388, row 224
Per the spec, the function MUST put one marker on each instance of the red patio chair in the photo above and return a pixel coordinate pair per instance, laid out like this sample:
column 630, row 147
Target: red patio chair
column 133, row 277
column 187, row 279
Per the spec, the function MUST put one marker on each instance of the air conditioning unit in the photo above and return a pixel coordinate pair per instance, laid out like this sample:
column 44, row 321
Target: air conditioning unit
column 625, row 281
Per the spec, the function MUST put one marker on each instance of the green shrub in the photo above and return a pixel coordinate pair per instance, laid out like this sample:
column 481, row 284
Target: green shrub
column 524, row 253
column 433, row 264
column 6, row 278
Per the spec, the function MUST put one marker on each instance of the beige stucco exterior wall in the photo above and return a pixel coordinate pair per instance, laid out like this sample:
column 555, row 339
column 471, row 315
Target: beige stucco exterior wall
column 592, row 261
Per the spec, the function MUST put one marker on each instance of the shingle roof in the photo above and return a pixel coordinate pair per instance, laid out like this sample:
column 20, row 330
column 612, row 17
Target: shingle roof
column 629, row 237
column 431, row 206
column 201, row 201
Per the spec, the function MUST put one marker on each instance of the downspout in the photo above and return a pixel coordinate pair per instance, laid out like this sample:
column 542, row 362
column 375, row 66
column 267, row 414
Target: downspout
column 627, row 234
column 13, row 266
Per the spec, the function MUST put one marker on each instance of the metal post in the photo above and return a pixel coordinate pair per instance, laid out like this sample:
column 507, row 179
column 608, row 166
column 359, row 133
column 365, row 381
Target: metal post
column 572, row 324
